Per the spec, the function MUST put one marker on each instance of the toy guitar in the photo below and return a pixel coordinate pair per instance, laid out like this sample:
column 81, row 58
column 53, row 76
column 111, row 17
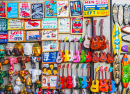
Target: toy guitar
column 106, row 80
column 102, row 37
column 83, row 78
column 82, row 53
column 88, row 57
column 95, row 83
column 69, row 79
column 103, row 57
column 66, row 56
column 59, row 54
column 95, row 58
column 74, row 78
column 110, row 58
column 103, row 84
column 88, row 77
column 76, row 53
column 64, row 78
column 86, row 42
column 70, row 51
column 58, row 85
column 95, row 40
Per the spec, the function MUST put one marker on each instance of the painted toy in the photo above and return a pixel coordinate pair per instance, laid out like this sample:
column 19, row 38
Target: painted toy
column 9, row 49
column 22, row 60
column 23, row 73
column 11, row 74
column 27, row 49
column 28, row 85
column 2, row 89
column 37, row 85
column 12, row 61
column 34, row 60
column 36, row 49
column 18, row 49
column 34, row 73
column 9, row 89
column 3, row 62
column 16, row 87
column 2, row 51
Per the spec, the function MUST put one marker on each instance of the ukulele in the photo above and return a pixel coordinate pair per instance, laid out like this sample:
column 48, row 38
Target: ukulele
column 95, row 40
column 111, row 83
column 59, row 54
column 106, row 68
column 66, row 55
column 95, row 58
column 82, row 53
column 95, row 83
column 103, row 57
column 64, row 78
column 110, row 58
column 88, row 57
column 83, row 78
column 76, row 53
column 78, row 79
column 73, row 77
column 70, row 51
column 88, row 77
column 102, row 37
column 69, row 79
column 58, row 85
column 86, row 42
column 103, row 84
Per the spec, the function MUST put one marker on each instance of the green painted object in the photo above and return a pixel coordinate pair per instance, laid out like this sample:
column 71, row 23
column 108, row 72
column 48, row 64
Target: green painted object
column 2, row 51
column 2, row 74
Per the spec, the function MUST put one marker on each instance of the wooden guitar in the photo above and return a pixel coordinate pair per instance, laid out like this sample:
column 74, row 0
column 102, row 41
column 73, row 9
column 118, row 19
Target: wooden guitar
column 106, row 69
column 74, row 78
column 69, row 79
column 88, row 77
column 64, row 78
column 70, row 51
column 66, row 55
column 110, row 58
column 82, row 53
column 102, row 37
column 95, row 58
column 76, row 53
column 59, row 85
column 103, row 57
column 88, row 56
column 95, row 40
column 103, row 84
column 59, row 54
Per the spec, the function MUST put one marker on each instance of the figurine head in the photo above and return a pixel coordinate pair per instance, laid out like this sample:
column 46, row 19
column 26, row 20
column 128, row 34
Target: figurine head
column 45, row 70
column 28, row 81
column 51, row 66
column 9, row 87
column 18, row 81
column 2, row 51
column 36, row 49
column 27, row 48
column 18, row 49
column 55, row 71
column 49, row 71
column 9, row 49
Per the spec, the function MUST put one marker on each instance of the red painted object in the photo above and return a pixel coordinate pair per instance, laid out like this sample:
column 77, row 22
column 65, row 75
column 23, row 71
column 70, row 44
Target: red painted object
column 69, row 79
column 88, row 56
column 95, row 58
column 34, row 24
column 24, row 14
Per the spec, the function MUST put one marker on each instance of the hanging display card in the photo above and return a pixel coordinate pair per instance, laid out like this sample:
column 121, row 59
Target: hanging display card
column 49, row 34
column 62, row 9
column 32, row 24
column 3, row 37
column 2, row 9
column 49, row 57
column 3, row 25
column 92, row 8
column 77, row 26
column 49, row 23
column 75, row 8
column 24, row 10
column 37, row 10
column 12, row 10
column 49, row 46
column 16, row 36
column 50, row 9
column 33, row 35
column 64, row 25
column 15, row 24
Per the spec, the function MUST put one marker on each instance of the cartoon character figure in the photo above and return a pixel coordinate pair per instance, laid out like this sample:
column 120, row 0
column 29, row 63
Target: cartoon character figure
column 18, row 49
column 34, row 60
column 49, row 10
column 23, row 73
column 27, row 49
column 9, row 49
column 49, row 71
column 2, row 51
column 36, row 49
column 12, row 61
column 63, row 9
column 45, row 71
column 16, row 87
column 55, row 71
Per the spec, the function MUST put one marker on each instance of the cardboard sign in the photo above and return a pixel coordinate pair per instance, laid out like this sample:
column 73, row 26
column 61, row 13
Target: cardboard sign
column 33, row 35
column 62, row 9
column 49, row 46
column 12, row 10
column 49, row 57
column 14, row 36
column 92, row 8
column 75, row 8
column 49, row 23
column 3, row 37
column 15, row 24
column 3, row 25
column 64, row 25
column 50, row 9
column 49, row 34
column 24, row 10
column 37, row 11
column 32, row 24
column 2, row 9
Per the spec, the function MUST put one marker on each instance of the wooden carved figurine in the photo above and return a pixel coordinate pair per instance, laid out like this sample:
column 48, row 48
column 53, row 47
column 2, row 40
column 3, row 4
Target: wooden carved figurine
column 12, row 61
column 23, row 73
column 28, row 85
column 9, row 49
column 36, row 49
column 18, row 49
column 9, row 89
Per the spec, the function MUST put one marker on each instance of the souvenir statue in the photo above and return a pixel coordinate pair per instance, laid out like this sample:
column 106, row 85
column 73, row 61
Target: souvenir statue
column 2, row 51
column 9, row 49
column 22, row 60
column 3, row 61
column 18, row 49
column 9, row 89
column 23, row 73
column 11, row 74
column 21, row 92
column 27, row 49
column 25, row 91
column 2, row 89
column 34, row 73
column 37, row 85
column 28, row 85
column 34, row 60
column 16, row 87
column 36, row 49
column 12, row 61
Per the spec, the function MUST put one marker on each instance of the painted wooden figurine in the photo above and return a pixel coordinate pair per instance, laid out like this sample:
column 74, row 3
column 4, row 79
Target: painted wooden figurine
column 27, row 49
column 9, row 89
column 29, row 85
column 2, row 51
column 36, row 49
column 18, row 49
column 12, row 61
column 2, row 89
column 34, row 60
column 11, row 74
column 23, row 73
column 9, row 49
column 16, row 87
column 37, row 85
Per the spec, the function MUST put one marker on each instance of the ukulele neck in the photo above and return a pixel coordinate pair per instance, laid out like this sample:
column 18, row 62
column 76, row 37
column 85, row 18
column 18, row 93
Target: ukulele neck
column 59, row 48
column 88, row 73
column 108, row 49
column 95, row 78
column 75, row 47
column 94, row 29
column 64, row 47
column 101, row 34
column 102, row 77
column 105, row 75
column 69, row 47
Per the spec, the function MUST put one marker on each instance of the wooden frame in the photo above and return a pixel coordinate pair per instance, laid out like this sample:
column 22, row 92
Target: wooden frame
column 82, row 28
column 68, row 8
column 3, row 22
column 16, row 24
column 5, row 9
column 42, row 13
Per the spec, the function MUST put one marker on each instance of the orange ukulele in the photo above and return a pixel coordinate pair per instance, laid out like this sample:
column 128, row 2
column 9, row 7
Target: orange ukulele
column 88, row 77
column 69, row 79
column 64, row 78
column 103, row 57
column 106, row 68
column 95, row 58
column 95, row 40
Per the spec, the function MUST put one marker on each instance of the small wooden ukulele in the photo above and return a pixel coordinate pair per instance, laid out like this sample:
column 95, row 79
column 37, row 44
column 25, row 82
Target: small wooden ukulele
column 70, row 51
column 88, row 77
column 95, row 40
column 69, row 79
column 59, row 85
column 95, row 58
column 66, row 55
column 103, row 57
column 88, row 57
column 73, row 76
column 106, row 69
column 63, row 76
